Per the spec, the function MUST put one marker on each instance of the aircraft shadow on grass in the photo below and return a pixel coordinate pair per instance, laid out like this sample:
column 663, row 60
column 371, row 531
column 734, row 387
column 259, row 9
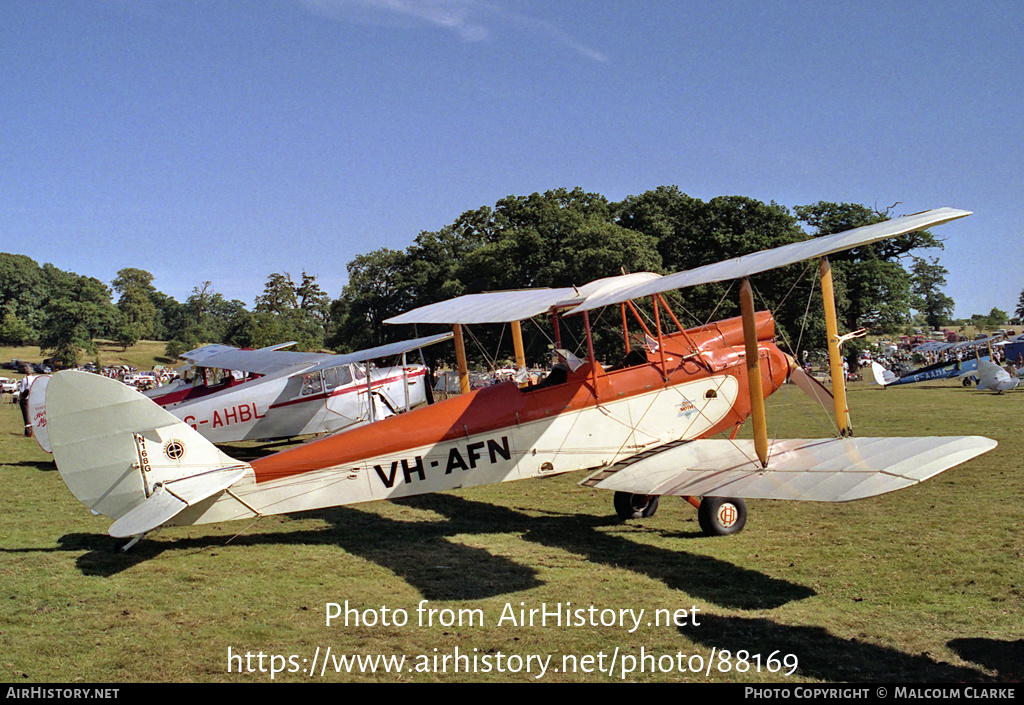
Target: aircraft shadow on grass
column 1004, row 657
column 40, row 465
column 824, row 656
column 423, row 553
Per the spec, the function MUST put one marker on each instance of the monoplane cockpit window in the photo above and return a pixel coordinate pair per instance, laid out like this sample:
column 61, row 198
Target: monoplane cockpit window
column 312, row 384
column 337, row 377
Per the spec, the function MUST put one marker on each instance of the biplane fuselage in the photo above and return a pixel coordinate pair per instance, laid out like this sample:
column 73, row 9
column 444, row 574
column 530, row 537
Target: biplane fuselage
column 594, row 418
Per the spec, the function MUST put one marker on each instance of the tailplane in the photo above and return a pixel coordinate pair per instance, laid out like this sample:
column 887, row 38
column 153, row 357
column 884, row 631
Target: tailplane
column 125, row 457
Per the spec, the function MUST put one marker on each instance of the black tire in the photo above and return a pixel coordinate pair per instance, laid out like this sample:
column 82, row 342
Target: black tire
column 722, row 516
column 967, row 381
column 635, row 506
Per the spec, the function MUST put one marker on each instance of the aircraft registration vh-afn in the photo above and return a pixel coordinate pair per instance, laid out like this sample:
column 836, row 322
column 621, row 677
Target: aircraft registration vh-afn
column 644, row 428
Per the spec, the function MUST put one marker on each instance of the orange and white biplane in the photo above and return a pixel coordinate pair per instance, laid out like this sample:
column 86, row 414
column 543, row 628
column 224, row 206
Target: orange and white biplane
column 644, row 428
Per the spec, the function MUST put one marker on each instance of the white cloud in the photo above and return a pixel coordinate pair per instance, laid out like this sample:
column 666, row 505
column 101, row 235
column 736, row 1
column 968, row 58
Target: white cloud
column 472, row 20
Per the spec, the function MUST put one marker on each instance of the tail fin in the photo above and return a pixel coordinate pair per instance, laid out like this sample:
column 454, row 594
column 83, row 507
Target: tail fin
column 882, row 375
column 123, row 456
column 37, row 411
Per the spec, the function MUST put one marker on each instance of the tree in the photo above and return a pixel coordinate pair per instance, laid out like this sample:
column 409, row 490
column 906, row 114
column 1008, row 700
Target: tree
column 287, row 311
column 136, row 305
column 927, row 278
column 13, row 330
column 378, row 288
column 80, row 314
column 312, row 298
column 1019, row 312
column 691, row 233
column 993, row 319
column 205, row 317
column 24, row 291
column 873, row 287
column 125, row 331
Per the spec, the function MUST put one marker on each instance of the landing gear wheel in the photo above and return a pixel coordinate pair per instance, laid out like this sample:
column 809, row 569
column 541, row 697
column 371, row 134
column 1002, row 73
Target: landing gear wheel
column 635, row 506
column 722, row 516
column 967, row 381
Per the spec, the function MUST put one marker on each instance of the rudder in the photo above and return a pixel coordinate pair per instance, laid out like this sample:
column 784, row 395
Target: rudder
column 125, row 457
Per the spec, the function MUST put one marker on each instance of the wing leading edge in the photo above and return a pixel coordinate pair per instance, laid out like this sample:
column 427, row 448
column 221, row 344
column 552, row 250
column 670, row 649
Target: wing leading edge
column 507, row 306
column 817, row 469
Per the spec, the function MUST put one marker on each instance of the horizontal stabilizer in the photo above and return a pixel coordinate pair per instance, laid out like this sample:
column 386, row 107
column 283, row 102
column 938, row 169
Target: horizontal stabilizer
column 816, row 469
column 169, row 499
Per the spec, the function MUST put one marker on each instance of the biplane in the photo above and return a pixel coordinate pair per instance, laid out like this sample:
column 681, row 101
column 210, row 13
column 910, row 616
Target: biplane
column 644, row 428
column 268, row 394
column 965, row 370
column 981, row 369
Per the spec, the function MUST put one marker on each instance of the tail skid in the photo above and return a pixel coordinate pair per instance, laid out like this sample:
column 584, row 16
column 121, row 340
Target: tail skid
column 123, row 456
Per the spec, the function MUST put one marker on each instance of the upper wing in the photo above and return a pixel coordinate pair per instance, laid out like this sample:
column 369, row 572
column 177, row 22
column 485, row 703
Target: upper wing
column 506, row 306
column 490, row 307
column 778, row 257
column 817, row 469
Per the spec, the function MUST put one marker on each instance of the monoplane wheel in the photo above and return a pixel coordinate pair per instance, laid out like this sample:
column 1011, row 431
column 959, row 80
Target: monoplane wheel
column 635, row 506
column 967, row 381
column 722, row 516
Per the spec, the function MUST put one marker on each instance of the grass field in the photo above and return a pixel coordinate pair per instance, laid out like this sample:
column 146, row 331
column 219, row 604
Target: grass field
column 143, row 355
column 923, row 585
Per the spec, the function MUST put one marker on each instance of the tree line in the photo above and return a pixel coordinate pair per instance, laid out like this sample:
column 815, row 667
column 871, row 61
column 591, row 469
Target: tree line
column 556, row 239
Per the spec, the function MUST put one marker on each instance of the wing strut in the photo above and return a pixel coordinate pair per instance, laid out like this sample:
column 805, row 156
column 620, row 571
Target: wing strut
column 835, row 359
column 754, row 373
column 517, row 346
column 460, row 359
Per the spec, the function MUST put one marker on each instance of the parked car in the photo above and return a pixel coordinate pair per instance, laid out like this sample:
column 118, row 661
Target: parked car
column 8, row 386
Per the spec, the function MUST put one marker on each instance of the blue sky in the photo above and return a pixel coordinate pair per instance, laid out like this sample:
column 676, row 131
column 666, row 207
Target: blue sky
column 224, row 141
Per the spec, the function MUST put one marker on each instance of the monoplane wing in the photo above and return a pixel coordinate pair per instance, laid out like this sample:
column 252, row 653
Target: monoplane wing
column 816, row 469
column 271, row 360
column 940, row 370
column 388, row 350
column 263, row 361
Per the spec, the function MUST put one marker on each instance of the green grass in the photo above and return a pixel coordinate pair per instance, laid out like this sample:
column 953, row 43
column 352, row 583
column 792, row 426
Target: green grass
column 921, row 585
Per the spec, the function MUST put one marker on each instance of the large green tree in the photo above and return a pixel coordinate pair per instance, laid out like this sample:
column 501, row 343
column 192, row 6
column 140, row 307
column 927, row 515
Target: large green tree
column 24, row 292
column 873, row 286
column 286, row 311
column 927, row 278
column 81, row 313
column 691, row 233
column 138, row 312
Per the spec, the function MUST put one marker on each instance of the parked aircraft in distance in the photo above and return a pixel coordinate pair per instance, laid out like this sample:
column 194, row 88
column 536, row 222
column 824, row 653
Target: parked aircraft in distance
column 267, row 394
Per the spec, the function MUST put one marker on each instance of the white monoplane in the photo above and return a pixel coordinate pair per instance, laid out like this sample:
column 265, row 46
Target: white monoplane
column 267, row 394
